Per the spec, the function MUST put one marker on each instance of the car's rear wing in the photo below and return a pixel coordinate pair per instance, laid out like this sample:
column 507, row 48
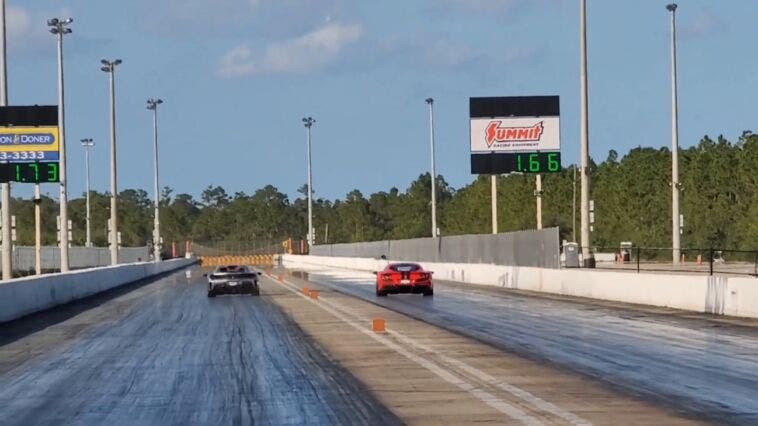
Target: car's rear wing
column 234, row 275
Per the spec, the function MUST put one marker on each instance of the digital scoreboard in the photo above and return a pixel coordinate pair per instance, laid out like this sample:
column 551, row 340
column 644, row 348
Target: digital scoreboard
column 515, row 134
column 519, row 162
column 48, row 172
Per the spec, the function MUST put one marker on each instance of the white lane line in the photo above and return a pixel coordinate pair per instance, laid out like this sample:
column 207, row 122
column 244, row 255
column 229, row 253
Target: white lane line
column 507, row 387
column 527, row 396
column 493, row 401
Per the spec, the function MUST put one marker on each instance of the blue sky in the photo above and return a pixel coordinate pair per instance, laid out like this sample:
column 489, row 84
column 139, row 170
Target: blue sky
column 237, row 76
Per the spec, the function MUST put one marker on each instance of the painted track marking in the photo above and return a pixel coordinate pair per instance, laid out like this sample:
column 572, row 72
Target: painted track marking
column 446, row 374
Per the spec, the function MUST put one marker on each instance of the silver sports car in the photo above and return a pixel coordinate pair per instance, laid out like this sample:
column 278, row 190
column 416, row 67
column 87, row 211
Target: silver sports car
column 233, row 279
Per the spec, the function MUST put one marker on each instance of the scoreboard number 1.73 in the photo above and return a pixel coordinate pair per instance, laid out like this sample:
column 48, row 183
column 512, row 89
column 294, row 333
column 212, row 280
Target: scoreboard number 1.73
column 30, row 172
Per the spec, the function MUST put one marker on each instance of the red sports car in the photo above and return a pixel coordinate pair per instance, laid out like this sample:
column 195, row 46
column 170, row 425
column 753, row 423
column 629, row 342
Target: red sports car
column 404, row 278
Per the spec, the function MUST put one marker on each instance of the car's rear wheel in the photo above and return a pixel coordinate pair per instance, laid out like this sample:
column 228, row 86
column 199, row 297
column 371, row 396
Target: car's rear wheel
column 255, row 292
column 211, row 293
column 380, row 293
column 429, row 292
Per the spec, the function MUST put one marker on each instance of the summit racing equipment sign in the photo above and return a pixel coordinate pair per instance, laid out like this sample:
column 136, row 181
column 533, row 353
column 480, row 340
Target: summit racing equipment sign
column 515, row 134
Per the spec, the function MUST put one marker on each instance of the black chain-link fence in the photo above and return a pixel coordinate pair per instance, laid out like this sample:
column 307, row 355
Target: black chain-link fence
column 695, row 260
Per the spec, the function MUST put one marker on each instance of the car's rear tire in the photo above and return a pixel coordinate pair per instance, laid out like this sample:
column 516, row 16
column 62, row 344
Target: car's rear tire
column 255, row 292
column 211, row 293
column 429, row 293
column 380, row 293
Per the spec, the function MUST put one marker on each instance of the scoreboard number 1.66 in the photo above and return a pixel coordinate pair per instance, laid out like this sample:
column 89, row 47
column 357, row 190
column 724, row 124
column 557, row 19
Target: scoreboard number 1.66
column 538, row 162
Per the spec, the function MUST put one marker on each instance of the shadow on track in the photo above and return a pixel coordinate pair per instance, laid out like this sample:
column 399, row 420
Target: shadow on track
column 32, row 323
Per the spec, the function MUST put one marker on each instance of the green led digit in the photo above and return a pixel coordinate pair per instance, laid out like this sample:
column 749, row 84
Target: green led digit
column 18, row 172
column 552, row 162
column 52, row 172
column 35, row 166
column 518, row 162
column 534, row 163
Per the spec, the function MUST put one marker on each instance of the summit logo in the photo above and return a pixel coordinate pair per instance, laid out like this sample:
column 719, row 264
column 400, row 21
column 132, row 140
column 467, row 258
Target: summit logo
column 494, row 133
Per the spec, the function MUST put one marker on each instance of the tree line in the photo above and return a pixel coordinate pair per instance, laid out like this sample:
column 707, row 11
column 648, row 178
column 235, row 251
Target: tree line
column 631, row 193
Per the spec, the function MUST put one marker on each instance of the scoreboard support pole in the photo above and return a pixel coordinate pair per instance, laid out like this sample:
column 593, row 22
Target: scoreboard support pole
column 37, row 230
column 494, row 203
column 538, row 194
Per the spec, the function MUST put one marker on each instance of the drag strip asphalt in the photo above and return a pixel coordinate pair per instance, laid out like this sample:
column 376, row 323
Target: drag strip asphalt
column 699, row 367
column 164, row 353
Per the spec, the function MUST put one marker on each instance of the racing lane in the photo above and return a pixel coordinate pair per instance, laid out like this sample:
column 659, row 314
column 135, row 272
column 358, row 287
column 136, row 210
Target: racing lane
column 697, row 366
column 163, row 353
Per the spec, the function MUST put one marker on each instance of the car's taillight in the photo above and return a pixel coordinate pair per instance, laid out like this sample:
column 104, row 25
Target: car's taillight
column 423, row 276
column 387, row 277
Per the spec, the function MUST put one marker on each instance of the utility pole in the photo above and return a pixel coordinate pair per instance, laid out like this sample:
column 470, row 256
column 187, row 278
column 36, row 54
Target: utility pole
column 308, row 121
column 675, row 185
column 430, row 102
column 109, row 67
column 88, row 144
column 59, row 27
column 5, row 188
column 587, row 256
column 152, row 105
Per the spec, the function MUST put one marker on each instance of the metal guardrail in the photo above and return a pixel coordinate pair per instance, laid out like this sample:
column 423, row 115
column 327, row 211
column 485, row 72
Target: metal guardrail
column 79, row 257
column 535, row 248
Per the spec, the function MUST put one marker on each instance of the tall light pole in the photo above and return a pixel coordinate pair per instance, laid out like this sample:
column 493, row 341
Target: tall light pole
column 5, row 188
column 430, row 102
column 88, row 144
column 59, row 28
column 308, row 121
column 110, row 68
column 675, row 185
column 152, row 105
column 587, row 256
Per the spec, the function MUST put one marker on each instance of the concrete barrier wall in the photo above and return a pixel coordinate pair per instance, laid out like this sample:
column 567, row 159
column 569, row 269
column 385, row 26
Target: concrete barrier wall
column 719, row 295
column 24, row 296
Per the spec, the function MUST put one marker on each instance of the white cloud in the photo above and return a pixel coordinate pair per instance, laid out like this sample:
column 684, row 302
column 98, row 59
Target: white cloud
column 496, row 8
column 302, row 54
column 26, row 31
column 439, row 52
column 446, row 53
column 18, row 21
column 704, row 24
column 481, row 5
column 274, row 19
